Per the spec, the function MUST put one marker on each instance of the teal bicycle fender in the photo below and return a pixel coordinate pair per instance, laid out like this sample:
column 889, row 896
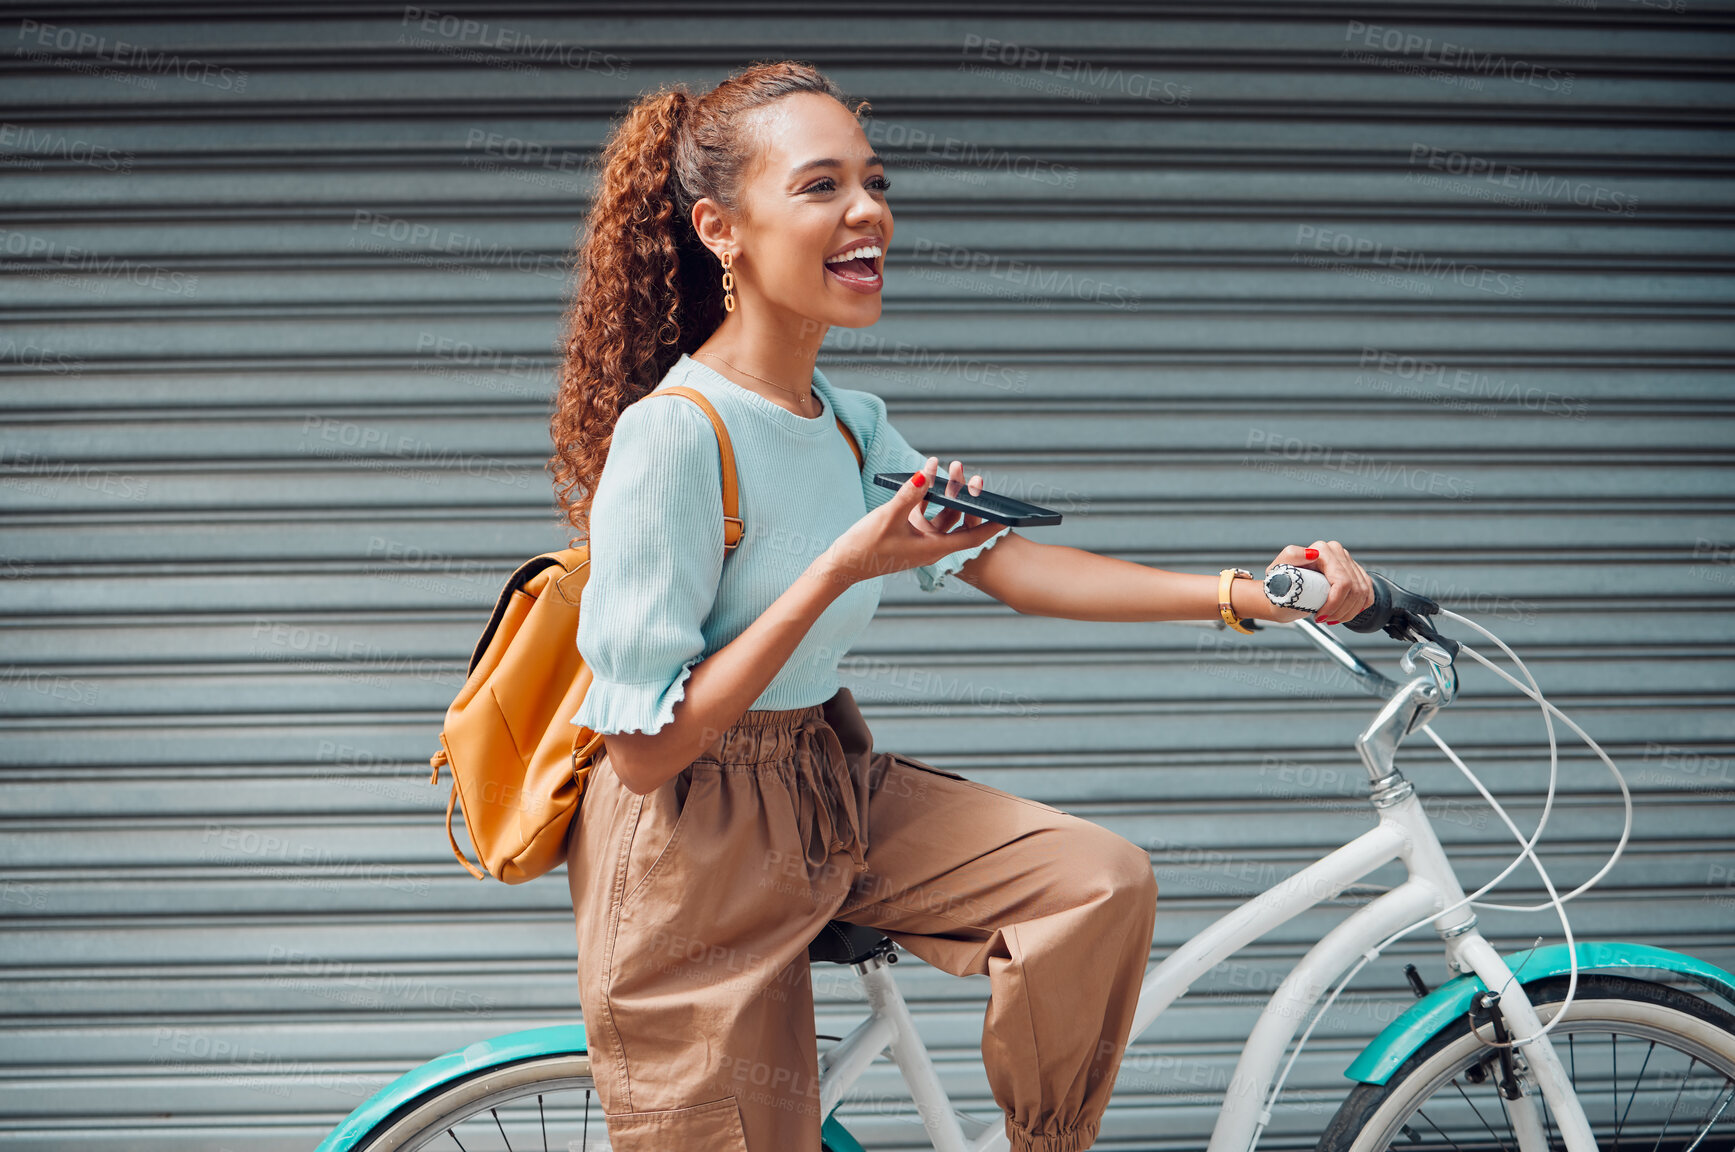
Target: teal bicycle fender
column 560, row 1039
column 492, row 1053
column 1419, row 1023
column 837, row 1137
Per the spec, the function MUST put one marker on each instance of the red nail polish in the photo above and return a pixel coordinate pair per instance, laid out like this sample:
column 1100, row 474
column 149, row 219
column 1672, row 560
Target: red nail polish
column 1313, row 553
column 918, row 480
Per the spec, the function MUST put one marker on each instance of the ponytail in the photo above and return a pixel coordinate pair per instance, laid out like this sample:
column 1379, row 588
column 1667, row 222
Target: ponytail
column 649, row 291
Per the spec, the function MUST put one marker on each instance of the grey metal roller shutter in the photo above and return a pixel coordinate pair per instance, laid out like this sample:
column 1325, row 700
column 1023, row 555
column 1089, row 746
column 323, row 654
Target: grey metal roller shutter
column 1446, row 282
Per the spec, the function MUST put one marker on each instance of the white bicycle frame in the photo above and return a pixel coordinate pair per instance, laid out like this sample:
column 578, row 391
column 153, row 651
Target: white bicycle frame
column 1403, row 833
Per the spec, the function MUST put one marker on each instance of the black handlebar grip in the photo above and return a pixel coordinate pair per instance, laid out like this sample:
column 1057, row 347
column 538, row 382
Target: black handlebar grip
column 1394, row 609
column 1374, row 616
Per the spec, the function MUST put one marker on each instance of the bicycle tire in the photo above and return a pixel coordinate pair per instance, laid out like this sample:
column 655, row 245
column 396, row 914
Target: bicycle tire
column 1696, row 1039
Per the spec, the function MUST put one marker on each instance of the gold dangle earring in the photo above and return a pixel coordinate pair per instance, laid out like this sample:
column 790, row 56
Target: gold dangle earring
column 728, row 259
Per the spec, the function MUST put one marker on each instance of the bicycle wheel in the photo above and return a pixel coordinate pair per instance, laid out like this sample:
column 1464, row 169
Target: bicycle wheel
column 1654, row 1069
column 546, row 1102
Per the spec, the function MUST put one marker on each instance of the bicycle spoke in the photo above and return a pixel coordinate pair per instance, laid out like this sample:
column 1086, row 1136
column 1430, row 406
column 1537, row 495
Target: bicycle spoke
column 1675, row 1103
column 584, row 1141
column 1483, row 1118
column 1614, row 1082
column 495, row 1112
column 1712, row 1122
column 1572, row 1076
column 457, row 1141
column 1631, row 1096
column 1438, row 1129
column 543, row 1120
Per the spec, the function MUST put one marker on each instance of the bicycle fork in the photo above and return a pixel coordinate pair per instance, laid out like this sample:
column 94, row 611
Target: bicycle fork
column 1539, row 1073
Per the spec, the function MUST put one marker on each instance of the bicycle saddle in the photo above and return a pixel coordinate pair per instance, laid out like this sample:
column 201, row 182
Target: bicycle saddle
column 842, row 943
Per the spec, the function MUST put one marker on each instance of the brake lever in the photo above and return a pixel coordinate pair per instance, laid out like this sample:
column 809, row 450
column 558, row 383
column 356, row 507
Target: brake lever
column 1440, row 666
column 1407, row 625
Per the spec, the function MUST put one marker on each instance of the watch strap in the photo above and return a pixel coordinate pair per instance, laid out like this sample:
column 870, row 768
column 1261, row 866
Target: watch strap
column 1225, row 606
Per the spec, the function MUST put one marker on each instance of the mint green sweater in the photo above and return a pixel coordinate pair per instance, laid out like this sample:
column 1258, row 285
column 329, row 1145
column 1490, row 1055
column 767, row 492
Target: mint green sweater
column 661, row 596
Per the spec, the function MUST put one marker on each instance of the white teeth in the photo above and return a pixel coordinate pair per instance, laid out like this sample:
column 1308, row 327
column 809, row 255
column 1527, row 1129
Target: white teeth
column 871, row 252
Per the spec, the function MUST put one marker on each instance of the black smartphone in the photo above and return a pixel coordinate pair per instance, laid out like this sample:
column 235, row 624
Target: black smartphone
column 988, row 505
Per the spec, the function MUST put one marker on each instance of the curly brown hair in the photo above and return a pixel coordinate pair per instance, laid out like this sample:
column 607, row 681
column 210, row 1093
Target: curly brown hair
column 648, row 290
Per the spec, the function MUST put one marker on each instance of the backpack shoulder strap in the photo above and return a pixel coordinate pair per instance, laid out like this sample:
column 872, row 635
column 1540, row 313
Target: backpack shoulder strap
column 853, row 446
column 733, row 526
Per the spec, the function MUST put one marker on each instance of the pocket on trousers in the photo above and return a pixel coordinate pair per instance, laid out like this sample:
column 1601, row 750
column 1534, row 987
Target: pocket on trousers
column 657, row 833
column 714, row 1127
column 913, row 784
column 923, row 766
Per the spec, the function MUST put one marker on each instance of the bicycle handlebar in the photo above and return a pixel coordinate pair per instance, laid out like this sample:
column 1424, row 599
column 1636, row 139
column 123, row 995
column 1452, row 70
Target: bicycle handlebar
column 1375, row 682
column 1397, row 611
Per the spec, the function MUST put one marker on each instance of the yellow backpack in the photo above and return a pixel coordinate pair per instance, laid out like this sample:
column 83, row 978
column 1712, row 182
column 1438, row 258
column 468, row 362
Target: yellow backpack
column 518, row 763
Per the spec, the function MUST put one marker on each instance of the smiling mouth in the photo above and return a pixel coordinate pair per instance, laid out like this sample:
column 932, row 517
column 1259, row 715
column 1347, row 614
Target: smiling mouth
column 859, row 266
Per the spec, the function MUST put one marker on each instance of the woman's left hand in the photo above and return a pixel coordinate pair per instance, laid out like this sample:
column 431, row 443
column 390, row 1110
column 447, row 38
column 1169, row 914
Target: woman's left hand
column 1352, row 590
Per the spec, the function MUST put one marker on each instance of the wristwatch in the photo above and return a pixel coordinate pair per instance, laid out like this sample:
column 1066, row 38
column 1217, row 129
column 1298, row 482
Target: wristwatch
column 1225, row 608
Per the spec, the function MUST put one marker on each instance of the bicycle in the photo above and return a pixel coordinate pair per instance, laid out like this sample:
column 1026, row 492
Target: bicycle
column 1476, row 1063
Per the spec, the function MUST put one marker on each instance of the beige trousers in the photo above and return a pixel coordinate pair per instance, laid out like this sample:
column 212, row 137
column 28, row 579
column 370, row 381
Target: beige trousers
column 695, row 905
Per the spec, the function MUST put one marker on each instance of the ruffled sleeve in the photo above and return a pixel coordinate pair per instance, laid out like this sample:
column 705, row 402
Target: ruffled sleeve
column 887, row 451
column 656, row 556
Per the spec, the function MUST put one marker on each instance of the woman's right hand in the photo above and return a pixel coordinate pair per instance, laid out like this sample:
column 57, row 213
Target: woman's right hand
column 897, row 535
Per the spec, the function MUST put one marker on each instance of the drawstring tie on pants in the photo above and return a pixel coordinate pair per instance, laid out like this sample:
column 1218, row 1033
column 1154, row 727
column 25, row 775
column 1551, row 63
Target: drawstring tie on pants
column 831, row 797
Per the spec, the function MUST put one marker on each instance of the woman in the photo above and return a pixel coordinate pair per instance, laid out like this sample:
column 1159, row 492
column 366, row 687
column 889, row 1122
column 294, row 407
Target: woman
column 740, row 803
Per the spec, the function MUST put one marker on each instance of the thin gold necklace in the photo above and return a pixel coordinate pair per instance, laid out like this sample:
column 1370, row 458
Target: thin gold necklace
column 762, row 380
